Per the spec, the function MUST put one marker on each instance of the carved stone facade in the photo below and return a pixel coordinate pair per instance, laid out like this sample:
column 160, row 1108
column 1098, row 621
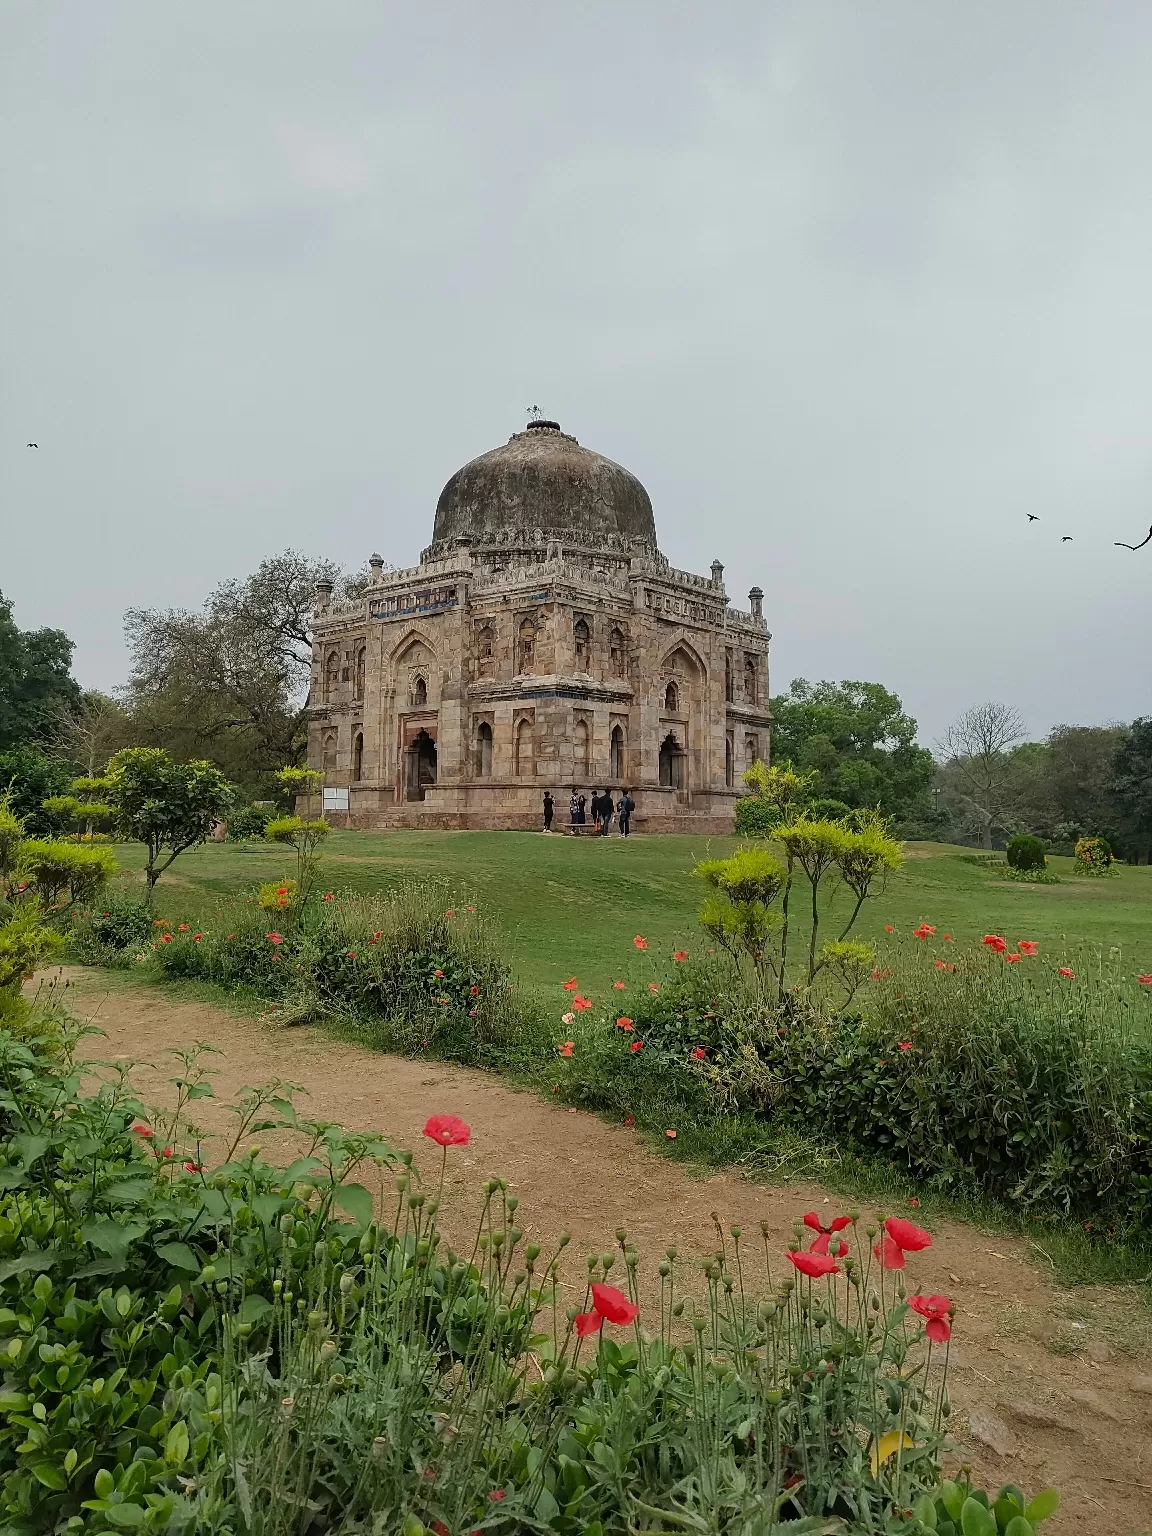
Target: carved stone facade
column 543, row 642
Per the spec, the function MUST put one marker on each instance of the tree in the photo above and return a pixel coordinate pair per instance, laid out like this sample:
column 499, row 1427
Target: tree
column 30, row 778
column 231, row 681
column 35, row 680
column 167, row 806
column 1130, row 791
column 85, row 735
column 858, row 743
column 975, row 751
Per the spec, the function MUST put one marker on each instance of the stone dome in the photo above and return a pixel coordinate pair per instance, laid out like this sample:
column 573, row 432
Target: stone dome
column 542, row 478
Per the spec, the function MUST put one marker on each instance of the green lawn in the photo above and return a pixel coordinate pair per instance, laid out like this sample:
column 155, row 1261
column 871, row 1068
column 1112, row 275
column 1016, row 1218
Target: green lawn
column 571, row 906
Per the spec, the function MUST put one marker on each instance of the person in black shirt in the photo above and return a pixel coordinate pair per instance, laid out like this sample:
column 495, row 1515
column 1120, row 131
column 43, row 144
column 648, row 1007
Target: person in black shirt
column 549, row 808
column 626, row 807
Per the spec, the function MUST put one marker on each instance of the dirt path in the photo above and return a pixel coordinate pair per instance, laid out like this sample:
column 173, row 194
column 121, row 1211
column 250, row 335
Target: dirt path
column 1069, row 1408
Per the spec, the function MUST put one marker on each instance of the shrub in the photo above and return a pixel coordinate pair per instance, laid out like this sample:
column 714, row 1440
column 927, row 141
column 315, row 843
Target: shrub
column 1025, row 852
column 167, row 806
column 58, row 869
column 250, row 1351
column 824, row 808
column 105, row 934
column 305, row 837
column 278, row 896
column 31, row 778
column 756, row 818
column 1093, row 856
column 26, row 945
column 247, row 821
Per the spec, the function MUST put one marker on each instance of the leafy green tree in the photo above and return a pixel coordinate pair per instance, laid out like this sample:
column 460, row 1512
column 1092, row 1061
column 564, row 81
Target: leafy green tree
column 742, row 921
column 167, row 806
column 35, row 680
column 230, row 682
column 30, row 777
column 857, row 742
column 305, row 837
column 1130, row 790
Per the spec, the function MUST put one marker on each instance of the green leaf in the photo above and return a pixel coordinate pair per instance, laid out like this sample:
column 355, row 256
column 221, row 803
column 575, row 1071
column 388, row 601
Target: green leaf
column 127, row 1515
column 52, row 1476
column 356, row 1200
column 13, row 1402
column 952, row 1497
column 1019, row 1526
column 200, row 1091
column 546, row 1506
column 127, row 1191
column 176, row 1445
column 12, row 1178
column 1046, row 1503
column 111, row 1237
column 975, row 1520
column 36, row 1260
column 301, row 1171
column 253, row 1308
column 180, row 1256
column 30, row 1148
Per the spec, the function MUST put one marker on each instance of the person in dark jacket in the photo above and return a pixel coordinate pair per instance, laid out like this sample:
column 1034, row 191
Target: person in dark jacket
column 606, row 810
column 575, row 805
column 624, row 811
column 549, row 810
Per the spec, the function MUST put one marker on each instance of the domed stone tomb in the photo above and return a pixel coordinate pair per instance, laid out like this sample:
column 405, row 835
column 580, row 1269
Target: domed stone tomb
column 542, row 643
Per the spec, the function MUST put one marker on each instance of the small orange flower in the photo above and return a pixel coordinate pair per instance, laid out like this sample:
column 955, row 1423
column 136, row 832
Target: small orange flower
column 637, row 1045
column 640, row 943
column 568, row 1048
column 1028, row 946
column 671, row 1135
column 619, row 985
column 1066, row 970
column 580, row 1003
column 681, row 955
column 1012, row 959
column 571, row 985
column 653, row 986
column 625, row 1024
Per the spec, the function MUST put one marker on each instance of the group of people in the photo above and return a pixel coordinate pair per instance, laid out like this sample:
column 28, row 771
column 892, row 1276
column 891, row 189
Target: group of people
column 600, row 808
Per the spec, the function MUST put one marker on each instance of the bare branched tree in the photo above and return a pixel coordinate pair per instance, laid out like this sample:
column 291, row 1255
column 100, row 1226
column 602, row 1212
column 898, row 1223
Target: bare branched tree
column 86, row 735
column 975, row 749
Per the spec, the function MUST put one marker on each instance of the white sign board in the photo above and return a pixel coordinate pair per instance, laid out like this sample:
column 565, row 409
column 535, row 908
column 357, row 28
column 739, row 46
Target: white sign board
column 335, row 799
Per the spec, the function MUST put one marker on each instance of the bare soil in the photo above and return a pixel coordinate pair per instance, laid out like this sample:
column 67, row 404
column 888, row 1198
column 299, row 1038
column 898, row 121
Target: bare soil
column 1057, row 1373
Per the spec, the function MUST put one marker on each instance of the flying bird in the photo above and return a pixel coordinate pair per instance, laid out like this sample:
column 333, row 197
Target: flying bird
column 1032, row 518
column 1067, row 539
column 1120, row 545
column 33, row 445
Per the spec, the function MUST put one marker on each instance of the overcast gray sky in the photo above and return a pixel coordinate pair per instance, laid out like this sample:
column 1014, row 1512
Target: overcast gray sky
column 852, row 287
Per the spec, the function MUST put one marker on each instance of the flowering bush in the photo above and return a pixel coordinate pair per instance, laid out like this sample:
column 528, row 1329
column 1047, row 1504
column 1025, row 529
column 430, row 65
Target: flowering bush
column 1093, row 856
column 106, row 933
column 185, row 1345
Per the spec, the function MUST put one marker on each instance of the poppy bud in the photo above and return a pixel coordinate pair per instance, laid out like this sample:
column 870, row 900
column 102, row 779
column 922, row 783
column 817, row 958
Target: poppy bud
column 621, row 1235
column 689, row 1354
column 532, row 1253
column 208, row 1273
column 678, row 1309
column 483, row 1242
column 512, row 1202
column 607, row 1259
column 671, row 1252
column 402, row 1182
column 433, row 1207
column 497, row 1241
column 736, row 1231
column 490, row 1186
column 564, row 1239
column 519, row 1277
column 277, row 1287
column 665, row 1269
column 423, row 1248
column 515, row 1235
column 415, row 1202
column 406, row 1158
column 593, row 1261
column 314, row 1321
column 632, row 1258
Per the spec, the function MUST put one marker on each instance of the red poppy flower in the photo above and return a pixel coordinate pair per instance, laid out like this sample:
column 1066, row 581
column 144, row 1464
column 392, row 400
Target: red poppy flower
column 439, row 1528
column 168, row 1152
column 888, row 928
column 653, row 986
column 815, row 1264
column 437, row 973
column 671, row 1135
column 447, row 1131
column 143, row 1130
column 451, row 912
column 193, row 1167
column 826, row 1244
column 837, row 1224
column 901, row 1237
column 328, row 896
column 904, row 1045
column 1066, row 970
column 994, row 941
column 699, row 1053
column 923, row 932
column 625, row 1024
column 640, row 943
column 196, row 937
column 1012, row 959
column 1145, row 981
column 274, row 938
column 913, row 1201
column 351, row 955
column 681, row 954
column 936, row 1310
column 571, row 985
column 568, row 1048
column 165, row 938
column 588, row 1322
column 580, row 1003
column 613, row 1305
column 619, row 985
column 496, row 1494
column 471, row 909
column 1027, row 946
column 637, row 1045
column 183, row 927
column 948, row 939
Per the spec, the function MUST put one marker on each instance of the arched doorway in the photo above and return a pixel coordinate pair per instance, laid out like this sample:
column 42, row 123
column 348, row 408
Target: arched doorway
column 523, row 759
column 484, row 750
column 581, row 750
column 421, row 766
column 616, row 753
column 671, row 763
